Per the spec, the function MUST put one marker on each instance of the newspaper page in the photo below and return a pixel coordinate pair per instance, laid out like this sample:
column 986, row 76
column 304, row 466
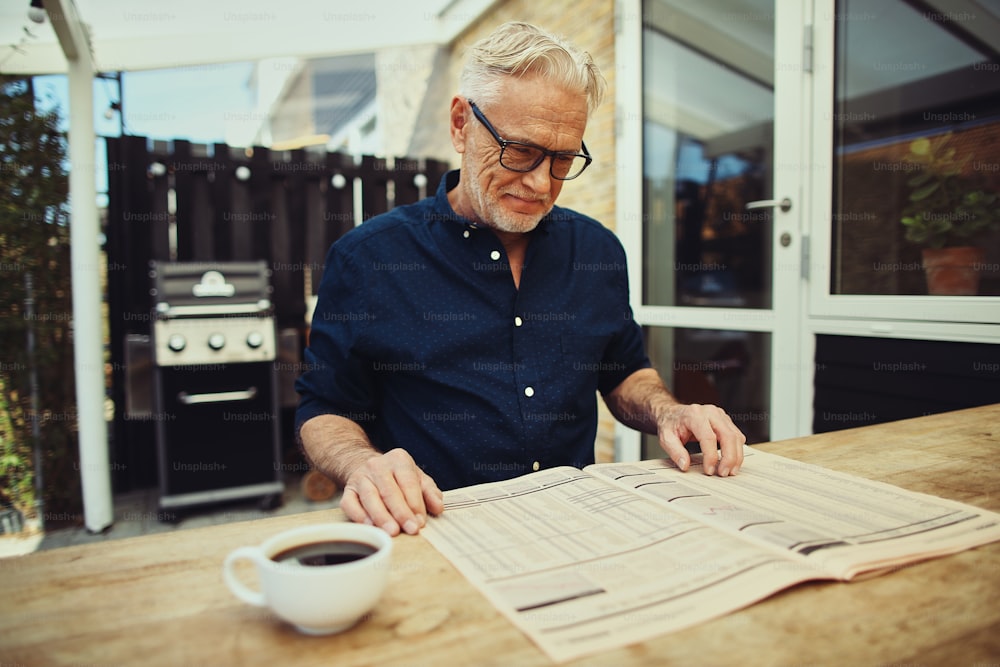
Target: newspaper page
column 587, row 561
column 846, row 525
column 580, row 565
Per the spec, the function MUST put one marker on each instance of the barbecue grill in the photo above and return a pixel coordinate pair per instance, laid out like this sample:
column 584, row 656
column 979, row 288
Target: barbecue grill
column 215, row 390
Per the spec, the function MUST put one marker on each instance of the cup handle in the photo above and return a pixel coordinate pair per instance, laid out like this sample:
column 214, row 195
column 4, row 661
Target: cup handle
column 238, row 588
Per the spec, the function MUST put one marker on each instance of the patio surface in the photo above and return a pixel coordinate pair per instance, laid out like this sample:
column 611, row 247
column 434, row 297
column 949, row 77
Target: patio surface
column 137, row 513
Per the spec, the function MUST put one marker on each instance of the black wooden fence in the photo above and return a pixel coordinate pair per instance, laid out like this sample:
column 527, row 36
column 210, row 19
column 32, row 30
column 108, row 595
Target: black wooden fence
column 188, row 202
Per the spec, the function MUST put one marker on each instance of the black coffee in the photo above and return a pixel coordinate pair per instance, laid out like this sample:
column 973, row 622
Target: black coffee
column 333, row 552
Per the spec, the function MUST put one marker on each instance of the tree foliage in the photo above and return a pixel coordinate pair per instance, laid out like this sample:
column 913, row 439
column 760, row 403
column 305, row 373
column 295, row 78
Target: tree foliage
column 34, row 240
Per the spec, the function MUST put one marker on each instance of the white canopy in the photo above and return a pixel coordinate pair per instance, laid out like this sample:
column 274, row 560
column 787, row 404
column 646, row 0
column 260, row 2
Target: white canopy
column 130, row 35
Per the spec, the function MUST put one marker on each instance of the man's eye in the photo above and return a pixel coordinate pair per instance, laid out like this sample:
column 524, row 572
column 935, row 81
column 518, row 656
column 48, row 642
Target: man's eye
column 521, row 152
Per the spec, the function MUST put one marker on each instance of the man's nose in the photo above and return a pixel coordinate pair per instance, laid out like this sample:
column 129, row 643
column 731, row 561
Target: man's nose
column 540, row 178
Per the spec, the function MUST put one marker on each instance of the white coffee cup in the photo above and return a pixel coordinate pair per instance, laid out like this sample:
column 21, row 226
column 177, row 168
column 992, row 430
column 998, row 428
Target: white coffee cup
column 316, row 599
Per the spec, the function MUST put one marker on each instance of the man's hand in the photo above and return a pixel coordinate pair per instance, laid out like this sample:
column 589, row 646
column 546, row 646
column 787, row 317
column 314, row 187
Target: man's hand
column 720, row 440
column 644, row 403
column 385, row 490
column 391, row 492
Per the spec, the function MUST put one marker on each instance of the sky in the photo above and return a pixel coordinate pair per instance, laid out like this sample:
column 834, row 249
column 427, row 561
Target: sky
column 202, row 104
column 191, row 103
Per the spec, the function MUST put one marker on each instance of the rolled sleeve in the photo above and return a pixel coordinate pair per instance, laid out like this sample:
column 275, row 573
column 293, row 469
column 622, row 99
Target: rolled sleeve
column 337, row 378
column 624, row 355
column 626, row 351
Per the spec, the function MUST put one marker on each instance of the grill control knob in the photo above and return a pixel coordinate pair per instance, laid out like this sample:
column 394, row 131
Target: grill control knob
column 254, row 340
column 177, row 342
column 216, row 341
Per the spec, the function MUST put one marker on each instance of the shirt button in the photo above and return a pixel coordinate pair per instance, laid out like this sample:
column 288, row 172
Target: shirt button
column 466, row 233
column 518, row 321
column 529, row 391
column 495, row 255
column 535, row 466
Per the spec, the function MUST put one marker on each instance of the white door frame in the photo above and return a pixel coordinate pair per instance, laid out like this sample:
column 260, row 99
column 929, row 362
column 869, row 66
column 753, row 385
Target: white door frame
column 792, row 344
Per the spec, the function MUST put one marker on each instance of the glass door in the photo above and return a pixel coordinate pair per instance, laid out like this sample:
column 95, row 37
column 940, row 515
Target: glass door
column 719, row 279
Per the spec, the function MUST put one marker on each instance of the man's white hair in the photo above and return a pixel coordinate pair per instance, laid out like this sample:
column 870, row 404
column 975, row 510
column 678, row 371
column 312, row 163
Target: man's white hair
column 519, row 49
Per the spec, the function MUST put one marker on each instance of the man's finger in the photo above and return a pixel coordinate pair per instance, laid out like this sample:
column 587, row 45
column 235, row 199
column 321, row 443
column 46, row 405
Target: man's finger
column 433, row 498
column 371, row 498
column 710, row 454
column 404, row 480
column 674, row 448
column 403, row 498
column 351, row 505
column 731, row 441
column 693, row 419
column 407, row 480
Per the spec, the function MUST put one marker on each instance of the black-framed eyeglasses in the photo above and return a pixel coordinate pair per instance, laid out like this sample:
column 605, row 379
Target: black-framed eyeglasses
column 522, row 157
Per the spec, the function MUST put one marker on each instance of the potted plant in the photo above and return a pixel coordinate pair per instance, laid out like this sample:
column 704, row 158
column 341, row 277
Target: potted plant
column 947, row 215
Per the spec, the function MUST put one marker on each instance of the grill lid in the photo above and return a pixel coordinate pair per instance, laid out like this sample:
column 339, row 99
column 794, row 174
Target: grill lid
column 204, row 288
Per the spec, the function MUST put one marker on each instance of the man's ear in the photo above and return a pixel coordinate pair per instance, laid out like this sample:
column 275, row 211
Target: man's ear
column 459, row 122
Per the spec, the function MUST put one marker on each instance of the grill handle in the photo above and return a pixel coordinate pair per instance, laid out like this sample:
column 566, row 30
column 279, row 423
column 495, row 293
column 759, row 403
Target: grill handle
column 217, row 397
column 215, row 310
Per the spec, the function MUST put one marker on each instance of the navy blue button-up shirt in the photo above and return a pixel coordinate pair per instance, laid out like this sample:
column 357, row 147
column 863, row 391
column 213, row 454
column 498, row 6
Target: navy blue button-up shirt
column 420, row 336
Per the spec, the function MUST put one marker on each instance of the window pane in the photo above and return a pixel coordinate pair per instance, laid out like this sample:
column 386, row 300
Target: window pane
column 707, row 125
column 917, row 116
column 724, row 368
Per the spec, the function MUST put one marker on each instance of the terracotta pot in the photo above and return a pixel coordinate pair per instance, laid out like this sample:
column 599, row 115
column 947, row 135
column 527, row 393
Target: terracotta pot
column 953, row 271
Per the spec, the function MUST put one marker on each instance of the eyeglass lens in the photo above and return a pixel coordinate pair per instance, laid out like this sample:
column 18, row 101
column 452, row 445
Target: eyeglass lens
column 519, row 157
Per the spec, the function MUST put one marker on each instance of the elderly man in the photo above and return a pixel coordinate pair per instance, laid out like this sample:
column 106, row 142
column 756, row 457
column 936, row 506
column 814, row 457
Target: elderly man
column 464, row 338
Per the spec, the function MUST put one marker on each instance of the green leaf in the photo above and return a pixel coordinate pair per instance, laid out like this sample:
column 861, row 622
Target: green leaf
column 972, row 198
column 924, row 192
column 920, row 146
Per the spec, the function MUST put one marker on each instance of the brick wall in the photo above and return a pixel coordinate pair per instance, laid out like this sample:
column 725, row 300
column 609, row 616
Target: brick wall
column 402, row 75
column 293, row 116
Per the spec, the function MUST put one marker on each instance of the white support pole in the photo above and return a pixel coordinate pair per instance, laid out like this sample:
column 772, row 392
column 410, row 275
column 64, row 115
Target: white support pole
column 628, row 203
column 88, row 343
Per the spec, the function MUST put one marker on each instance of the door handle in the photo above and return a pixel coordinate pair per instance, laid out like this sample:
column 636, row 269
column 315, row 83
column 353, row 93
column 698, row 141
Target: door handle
column 785, row 204
column 217, row 397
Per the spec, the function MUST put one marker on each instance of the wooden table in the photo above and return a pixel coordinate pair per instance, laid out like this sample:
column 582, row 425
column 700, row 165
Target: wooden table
column 160, row 599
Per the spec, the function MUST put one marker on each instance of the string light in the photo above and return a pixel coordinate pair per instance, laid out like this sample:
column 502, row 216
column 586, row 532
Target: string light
column 36, row 12
column 109, row 113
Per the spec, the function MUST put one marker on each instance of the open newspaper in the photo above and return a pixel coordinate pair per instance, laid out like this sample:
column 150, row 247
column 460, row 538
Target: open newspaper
column 594, row 559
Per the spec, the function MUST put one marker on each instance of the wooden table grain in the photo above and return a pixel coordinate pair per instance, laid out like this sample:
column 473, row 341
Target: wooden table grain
column 160, row 599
